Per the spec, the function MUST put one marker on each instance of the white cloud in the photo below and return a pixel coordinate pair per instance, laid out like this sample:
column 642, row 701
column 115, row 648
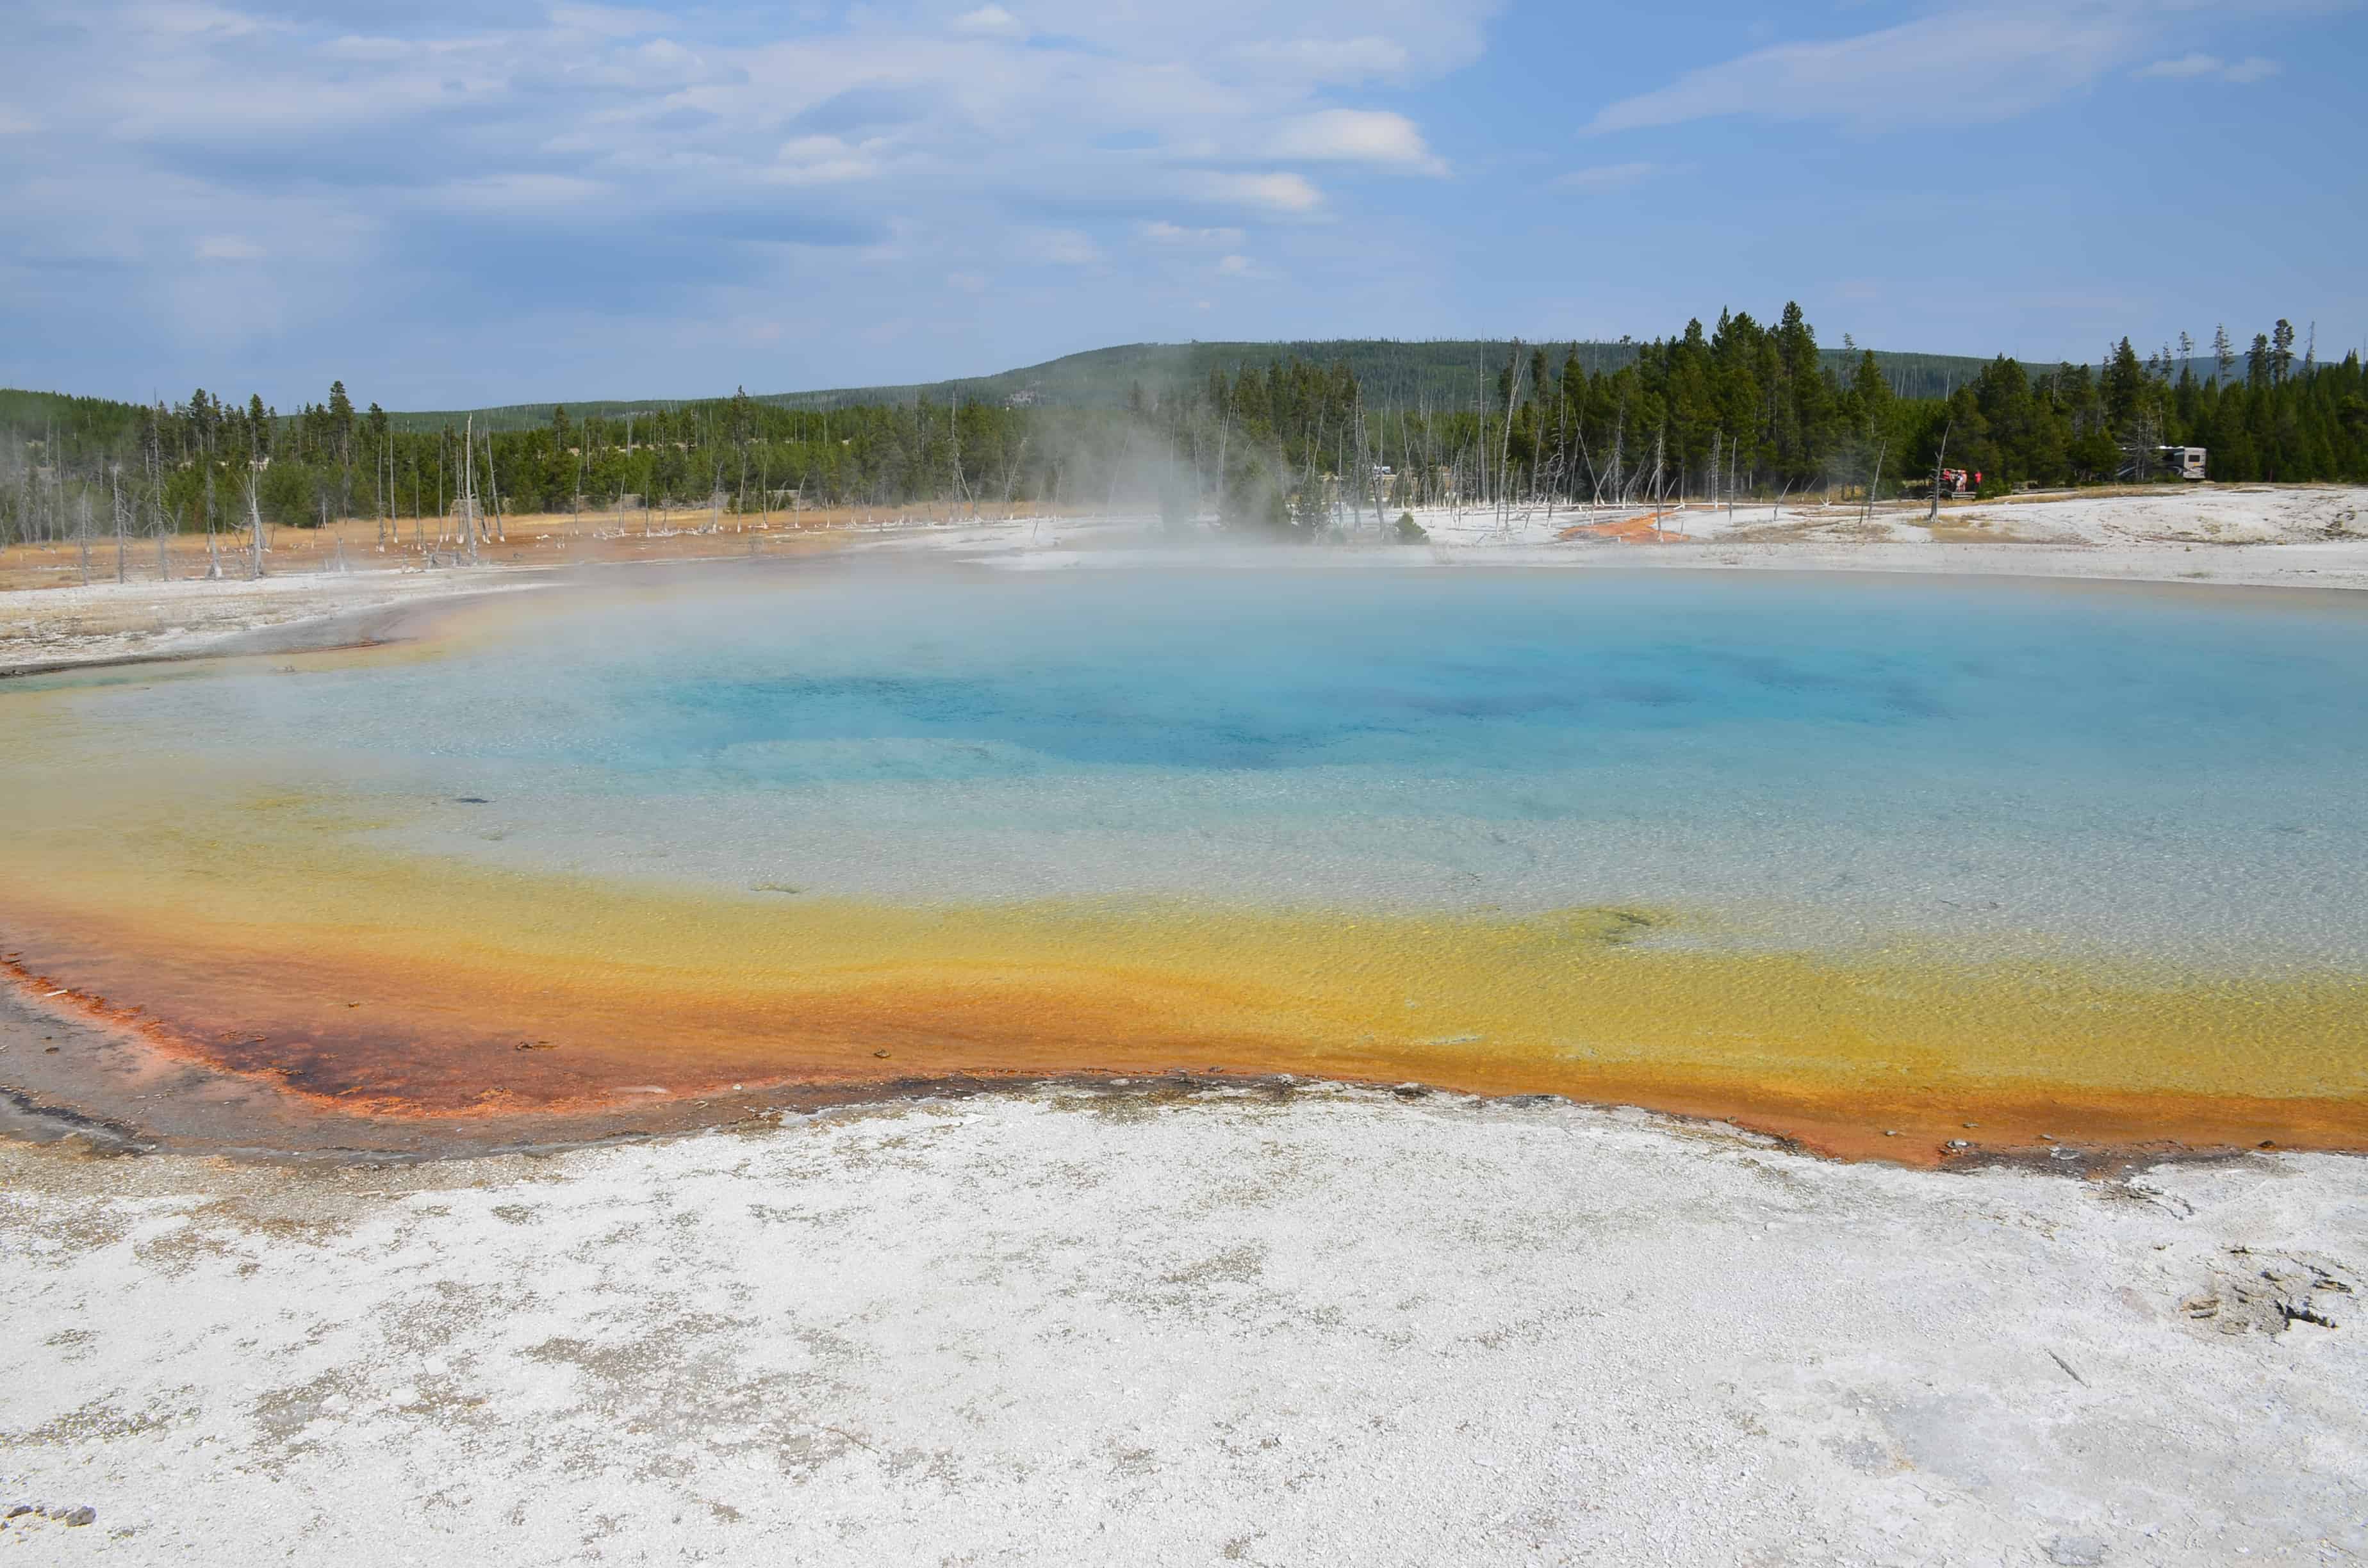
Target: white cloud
column 1234, row 265
column 1954, row 68
column 228, row 247
column 821, row 160
column 664, row 54
column 466, row 160
column 1163, row 233
column 608, row 22
column 374, row 50
column 187, row 18
column 1066, row 247
column 990, row 21
column 1605, row 179
column 1327, row 60
column 518, row 193
column 1359, row 136
column 968, row 282
column 1274, row 192
column 2187, row 67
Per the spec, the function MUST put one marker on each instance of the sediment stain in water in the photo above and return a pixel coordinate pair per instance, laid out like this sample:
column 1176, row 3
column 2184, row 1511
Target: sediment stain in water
column 319, row 915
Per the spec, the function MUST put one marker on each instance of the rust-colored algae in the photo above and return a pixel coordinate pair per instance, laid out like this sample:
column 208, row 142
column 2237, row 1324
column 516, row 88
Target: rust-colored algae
column 394, row 984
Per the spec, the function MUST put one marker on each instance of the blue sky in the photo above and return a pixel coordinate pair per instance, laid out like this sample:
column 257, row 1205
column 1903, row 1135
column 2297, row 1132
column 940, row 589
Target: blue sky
column 451, row 203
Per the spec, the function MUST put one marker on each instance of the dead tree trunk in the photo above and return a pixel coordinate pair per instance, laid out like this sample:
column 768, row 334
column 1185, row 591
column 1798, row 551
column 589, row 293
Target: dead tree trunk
column 255, row 519
column 494, row 489
column 1934, row 515
column 469, row 486
column 1505, row 458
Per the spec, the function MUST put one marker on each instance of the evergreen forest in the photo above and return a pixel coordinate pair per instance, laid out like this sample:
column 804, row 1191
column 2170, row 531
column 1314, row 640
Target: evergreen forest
column 1294, row 445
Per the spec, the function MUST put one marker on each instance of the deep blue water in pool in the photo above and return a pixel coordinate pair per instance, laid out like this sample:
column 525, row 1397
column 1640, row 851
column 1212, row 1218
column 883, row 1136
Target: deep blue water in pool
column 1834, row 758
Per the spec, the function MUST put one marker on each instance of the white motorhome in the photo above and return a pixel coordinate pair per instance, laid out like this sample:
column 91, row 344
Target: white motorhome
column 2188, row 460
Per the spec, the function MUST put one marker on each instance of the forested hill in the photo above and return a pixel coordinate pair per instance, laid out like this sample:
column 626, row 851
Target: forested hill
column 1277, row 437
column 1440, row 374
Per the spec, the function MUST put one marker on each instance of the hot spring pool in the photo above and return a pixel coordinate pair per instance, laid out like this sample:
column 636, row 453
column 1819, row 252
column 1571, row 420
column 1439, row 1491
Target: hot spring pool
column 1829, row 855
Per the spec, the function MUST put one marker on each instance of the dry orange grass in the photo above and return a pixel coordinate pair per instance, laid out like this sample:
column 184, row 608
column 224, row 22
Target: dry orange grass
column 538, row 539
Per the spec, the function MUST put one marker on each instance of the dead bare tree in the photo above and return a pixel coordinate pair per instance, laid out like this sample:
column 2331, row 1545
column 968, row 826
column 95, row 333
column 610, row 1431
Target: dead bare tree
column 156, row 500
column 1660, row 446
column 213, row 556
column 1866, row 513
column 1939, row 457
column 1618, row 455
column 115, row 499
column 1505, row 457
column 494, row 488
column 468, row 519
column 255, row 517
column 1011, row 472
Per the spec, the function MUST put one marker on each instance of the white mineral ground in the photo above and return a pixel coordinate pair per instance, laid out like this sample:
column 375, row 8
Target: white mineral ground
column 1064, row 1326
column 2313, row 536
column 1139, row 1326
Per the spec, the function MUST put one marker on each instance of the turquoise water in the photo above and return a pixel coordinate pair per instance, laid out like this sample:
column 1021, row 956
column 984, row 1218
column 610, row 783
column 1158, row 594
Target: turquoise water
column 1830, row 759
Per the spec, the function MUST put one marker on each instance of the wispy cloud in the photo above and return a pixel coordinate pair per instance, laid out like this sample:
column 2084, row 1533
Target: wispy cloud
column 1065, row 247
column 610, row 21
column 227, row 247
column 990, row 21
column 1954, row 68
column 1357, row 136
column 1328, row 60
column 823, row 160
column 694, row 159
column 1163, row 232
column 2190, row 67
column 518, row 193
column 1280, row 192
column 1605, row 179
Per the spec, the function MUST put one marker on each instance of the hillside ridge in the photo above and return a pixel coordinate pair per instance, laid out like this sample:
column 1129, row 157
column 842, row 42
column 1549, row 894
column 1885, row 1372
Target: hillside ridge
column 1444, row 373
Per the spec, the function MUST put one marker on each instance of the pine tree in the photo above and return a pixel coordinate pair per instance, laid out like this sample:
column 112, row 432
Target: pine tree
column 2123, row 386
column 339, row 421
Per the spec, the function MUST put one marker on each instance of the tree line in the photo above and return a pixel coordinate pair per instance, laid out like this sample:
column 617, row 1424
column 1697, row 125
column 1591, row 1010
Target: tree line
column 1297, row 445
